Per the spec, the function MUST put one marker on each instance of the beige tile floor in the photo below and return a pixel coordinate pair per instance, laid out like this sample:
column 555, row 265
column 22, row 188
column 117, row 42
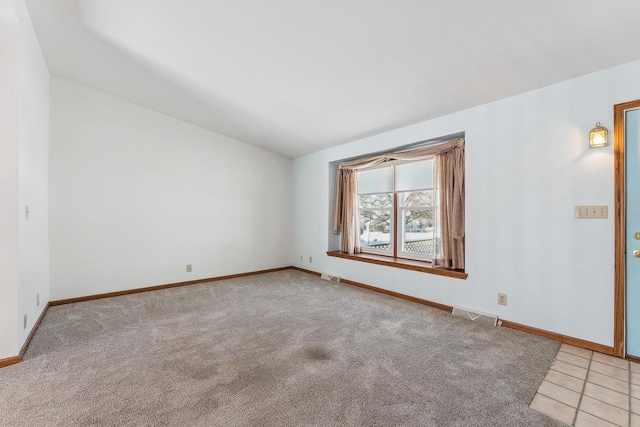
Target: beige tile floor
column 584, row 388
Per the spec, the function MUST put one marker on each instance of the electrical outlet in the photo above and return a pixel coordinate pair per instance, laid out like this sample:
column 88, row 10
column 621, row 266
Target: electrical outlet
column 26, row 213
column 189, row 268
column 37, row 299
column 24, row 326
column 310, row 259
column 301, row 257
column 502, row 299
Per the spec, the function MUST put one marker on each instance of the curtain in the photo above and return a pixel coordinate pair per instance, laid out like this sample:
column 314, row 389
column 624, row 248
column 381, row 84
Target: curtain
column 346, row 212
column 449, row 189
column 450, row 156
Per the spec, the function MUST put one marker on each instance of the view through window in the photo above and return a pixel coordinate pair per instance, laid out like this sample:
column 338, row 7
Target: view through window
column 396, row 210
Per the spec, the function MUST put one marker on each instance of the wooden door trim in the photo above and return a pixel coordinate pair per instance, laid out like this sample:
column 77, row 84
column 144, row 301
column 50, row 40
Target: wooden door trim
column 620, row 226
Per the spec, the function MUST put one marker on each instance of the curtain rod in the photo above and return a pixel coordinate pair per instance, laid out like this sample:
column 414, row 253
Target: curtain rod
column 375, row 160
column 428, row 143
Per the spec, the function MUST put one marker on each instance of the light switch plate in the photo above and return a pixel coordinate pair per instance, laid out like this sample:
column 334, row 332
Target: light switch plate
column 592, row 212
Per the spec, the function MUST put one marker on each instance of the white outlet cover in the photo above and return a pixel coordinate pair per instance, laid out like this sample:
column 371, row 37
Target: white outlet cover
column 502, row 299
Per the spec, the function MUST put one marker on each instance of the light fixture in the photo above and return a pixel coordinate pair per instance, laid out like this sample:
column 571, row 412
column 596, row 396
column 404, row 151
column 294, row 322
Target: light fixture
column 598, row 136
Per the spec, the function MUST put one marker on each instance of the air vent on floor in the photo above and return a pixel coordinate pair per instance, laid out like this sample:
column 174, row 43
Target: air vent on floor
column 330, row 277
column 478, row 316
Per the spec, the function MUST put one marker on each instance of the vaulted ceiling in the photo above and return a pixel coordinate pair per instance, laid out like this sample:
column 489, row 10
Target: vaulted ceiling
column 296, row 76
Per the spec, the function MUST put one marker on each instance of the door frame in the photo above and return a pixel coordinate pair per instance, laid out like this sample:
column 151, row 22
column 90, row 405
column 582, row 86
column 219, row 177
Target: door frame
column 620, row 194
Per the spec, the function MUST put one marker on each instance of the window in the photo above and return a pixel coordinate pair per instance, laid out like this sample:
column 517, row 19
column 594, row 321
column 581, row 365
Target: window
column 396, row 210
column 404, row 204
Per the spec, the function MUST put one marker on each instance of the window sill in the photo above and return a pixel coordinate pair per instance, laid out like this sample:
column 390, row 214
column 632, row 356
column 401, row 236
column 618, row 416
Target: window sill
column 407, row 264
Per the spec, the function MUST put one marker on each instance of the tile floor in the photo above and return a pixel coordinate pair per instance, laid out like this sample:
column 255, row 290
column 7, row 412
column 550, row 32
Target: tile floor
column 585, row 388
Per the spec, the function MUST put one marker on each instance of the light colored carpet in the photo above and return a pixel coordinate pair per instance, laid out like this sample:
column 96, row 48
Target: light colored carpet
column 278, row 349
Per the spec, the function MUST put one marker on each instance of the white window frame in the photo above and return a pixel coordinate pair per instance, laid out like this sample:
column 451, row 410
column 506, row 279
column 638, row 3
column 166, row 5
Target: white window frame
column 400, row 227
column 396, row 227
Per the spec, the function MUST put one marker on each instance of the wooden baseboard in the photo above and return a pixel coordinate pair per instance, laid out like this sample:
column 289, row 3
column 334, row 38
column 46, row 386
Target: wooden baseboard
column 9, row 361
column 304, row 270
column 600, row 348
column 16, row 359
column 385, row 291
column 23, row 350
column 158, row 287
column 399, row 295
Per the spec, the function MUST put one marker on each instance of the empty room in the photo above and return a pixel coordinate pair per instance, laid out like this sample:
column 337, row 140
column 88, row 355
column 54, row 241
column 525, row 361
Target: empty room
column 319, row 213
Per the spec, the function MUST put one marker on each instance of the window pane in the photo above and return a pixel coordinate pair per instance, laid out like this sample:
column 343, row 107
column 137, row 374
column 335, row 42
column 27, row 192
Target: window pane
column 375, row 181
column 376, row 201
column 416, row 199
column 375, row 229
column 414, row 176
column 417, row 229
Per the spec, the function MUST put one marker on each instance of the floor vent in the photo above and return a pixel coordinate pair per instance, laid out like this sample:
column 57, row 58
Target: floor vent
column 478, row 316
column 330, row 277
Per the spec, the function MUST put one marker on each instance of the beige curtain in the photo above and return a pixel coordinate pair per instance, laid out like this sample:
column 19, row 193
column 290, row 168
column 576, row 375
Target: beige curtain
column 449, row 189
column 345, row 214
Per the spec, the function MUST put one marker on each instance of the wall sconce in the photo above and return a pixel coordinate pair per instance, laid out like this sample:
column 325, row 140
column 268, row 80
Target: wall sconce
column 598, row 136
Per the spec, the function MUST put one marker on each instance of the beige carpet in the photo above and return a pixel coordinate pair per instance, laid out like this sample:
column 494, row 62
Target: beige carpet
column 278, row 349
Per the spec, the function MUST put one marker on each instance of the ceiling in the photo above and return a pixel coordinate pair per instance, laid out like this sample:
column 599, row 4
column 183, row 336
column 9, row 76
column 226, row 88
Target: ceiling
column 6, row 9
column 297, row 76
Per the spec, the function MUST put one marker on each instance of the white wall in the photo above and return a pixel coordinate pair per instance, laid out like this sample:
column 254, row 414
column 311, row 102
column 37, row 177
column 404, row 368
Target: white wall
column 136, row 195
column 527, row 164
column 8, row 186
column 33, row 140
column 24, row 136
